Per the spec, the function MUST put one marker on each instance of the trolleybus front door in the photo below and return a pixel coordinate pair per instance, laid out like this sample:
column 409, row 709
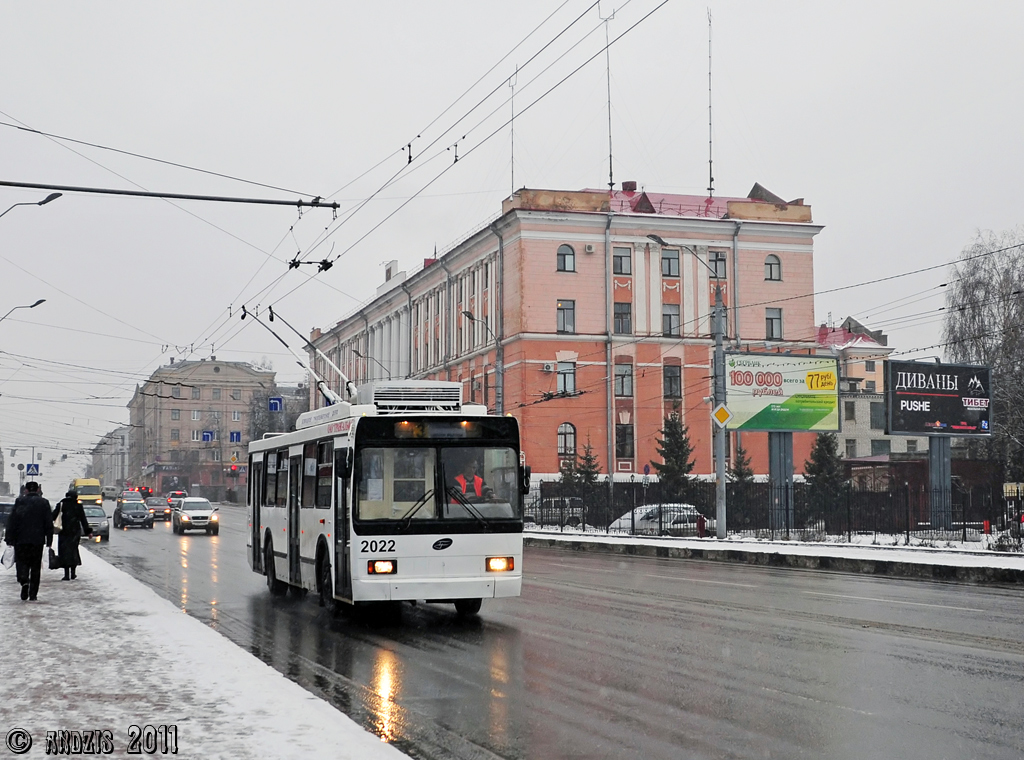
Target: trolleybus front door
column 342, row 534
column 255, row 500
column 294, row 560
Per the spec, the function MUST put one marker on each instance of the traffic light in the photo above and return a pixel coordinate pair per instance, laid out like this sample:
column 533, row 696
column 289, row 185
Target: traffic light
column 233, row 471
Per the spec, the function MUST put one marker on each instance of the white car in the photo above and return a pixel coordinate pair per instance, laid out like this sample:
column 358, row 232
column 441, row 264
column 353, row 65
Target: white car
column 194, row 513
column 663, row 519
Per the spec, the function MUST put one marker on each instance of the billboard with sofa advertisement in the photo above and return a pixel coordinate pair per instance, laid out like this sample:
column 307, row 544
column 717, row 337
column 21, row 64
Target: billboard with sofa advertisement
column 922, row 398
column 782, row 392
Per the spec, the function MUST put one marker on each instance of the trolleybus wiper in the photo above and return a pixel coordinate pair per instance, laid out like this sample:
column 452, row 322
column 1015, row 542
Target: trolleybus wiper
column 465, row 503
column 405, row 519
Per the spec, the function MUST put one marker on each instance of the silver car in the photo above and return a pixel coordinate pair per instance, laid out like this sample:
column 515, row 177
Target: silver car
column 99, row 523
column 663, row 519
column 194, row 513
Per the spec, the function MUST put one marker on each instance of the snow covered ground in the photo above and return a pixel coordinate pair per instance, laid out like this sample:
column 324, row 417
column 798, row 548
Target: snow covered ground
column 104, row 653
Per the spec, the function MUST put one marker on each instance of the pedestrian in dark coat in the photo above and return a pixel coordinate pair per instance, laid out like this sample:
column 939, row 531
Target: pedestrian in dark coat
column 74, row 525
column 29, row 529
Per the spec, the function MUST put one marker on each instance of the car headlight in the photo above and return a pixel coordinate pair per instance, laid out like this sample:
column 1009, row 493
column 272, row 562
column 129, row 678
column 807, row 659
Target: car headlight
column 185, row 518
column 214, row 518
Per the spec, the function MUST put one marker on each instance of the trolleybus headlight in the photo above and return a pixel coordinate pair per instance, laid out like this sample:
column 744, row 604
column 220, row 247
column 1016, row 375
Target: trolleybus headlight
column 382, row 567
column 500, row 564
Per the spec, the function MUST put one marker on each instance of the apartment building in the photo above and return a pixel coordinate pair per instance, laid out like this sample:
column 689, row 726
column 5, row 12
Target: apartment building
column 192, row 420
column 110, row 457
column 567, row 313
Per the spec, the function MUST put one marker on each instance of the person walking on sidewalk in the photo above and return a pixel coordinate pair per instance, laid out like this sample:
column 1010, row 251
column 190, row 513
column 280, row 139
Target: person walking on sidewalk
column 74, row 525
column 29, row 528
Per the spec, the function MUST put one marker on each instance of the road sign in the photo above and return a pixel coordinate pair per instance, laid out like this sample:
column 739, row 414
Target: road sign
column 207, row 436
column 722, row 415
column 234, row 458
column 647, row 469
column 32, row 469
column 276, row 403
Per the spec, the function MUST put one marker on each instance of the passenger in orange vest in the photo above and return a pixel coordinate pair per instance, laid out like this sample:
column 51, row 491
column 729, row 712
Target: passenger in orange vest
column 471, row 485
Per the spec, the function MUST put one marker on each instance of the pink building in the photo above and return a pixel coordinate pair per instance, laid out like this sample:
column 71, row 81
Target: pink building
column 565, row 313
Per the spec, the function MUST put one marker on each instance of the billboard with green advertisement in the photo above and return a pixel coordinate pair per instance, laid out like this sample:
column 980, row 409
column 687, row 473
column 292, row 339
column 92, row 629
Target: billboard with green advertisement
column 782, row 392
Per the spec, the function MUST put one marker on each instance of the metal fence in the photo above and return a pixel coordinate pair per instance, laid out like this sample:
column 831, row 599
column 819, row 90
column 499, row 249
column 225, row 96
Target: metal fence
column 765, row 510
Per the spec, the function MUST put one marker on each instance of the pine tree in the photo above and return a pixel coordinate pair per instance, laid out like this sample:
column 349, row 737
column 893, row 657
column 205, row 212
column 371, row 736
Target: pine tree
column 588, row 468
column 824, row 470
column 741, row 471
column 676, row 450
column 569, row 468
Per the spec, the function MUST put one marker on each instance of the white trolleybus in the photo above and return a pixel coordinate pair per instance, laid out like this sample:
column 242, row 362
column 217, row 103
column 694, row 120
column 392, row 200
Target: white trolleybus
column 407, row 494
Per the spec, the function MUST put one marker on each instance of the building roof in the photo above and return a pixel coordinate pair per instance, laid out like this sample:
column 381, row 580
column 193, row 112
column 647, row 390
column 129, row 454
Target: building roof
column 843, row 339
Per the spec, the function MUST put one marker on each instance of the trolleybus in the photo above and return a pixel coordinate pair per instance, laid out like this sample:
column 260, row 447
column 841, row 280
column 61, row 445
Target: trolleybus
column 408, row 494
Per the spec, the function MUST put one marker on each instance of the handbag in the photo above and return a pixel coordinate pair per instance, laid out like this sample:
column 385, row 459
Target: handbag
column 58, row 524
column 54, row 560
column 8, row 558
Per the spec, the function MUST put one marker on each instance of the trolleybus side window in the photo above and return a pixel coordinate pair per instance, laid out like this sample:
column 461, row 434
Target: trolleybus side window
column 281, row 498
column 324, row 473
column 308, row 474
column 270, row 491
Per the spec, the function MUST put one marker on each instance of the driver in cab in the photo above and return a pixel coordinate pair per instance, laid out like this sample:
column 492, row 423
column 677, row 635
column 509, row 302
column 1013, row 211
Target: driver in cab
column 471, row 486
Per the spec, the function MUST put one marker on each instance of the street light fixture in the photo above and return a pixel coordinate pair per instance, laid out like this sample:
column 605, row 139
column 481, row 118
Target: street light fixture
column 373, row 359
column 469, row 315
column 719, row 386
column 43, row 202
column 27, row 306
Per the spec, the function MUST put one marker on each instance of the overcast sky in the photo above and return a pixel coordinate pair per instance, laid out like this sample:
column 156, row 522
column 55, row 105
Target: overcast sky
column 898, row 122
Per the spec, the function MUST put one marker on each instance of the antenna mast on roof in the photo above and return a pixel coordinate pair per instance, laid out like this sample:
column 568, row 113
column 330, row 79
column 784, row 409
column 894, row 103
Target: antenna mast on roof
column 608, row 74
column 711, row 172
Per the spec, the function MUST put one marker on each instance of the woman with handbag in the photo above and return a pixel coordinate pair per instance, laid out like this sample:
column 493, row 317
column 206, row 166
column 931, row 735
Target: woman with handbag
column 73, row 525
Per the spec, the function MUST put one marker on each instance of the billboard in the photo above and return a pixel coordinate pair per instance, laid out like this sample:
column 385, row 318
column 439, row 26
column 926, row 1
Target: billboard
column 937, row 399
column 782, row 392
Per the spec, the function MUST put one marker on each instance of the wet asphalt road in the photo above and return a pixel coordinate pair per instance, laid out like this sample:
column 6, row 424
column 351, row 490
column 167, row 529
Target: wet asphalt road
column 620, row 657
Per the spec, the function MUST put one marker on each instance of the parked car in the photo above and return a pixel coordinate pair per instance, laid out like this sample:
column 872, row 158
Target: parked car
column 97, row 518
column 110, row 492
column 193, row 513
column 567, row 511
column 134, row 513
column 663, row 519
column 159, row 508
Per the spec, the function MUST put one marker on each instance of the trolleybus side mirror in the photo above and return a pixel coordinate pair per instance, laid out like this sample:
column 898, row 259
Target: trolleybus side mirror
column 524, row 485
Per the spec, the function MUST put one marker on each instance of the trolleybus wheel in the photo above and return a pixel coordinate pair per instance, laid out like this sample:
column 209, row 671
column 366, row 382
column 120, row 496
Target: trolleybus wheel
column 327, row 600
column 468, row 606
column 277, row 588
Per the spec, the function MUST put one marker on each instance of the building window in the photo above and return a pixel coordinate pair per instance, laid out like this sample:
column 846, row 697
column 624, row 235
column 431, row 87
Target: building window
column 773, row 324
column 851, row 448
column 175, row 414
column 176, row 391
column 566, row 317
column 195, row 415
column 716, row 260
column 623, row 441
column 565, row 259
column 673, row 381
column 880, row 447
column 623, row 322
column 216, row 394
column 215, row 455
column 622, row 261
column 877, row 415
column 623, row 380
column 869, row 365
column 236, row 394
column 566, row 440
column 869, row 386
column 196, row 393
column 236, row 416
column 175, row 433
column 196, row 435
column 849, row 411
column 772, row 267
column 911, row 445
column 670, row 319
column 566, row 377
column 235, row 436
column 669, row 262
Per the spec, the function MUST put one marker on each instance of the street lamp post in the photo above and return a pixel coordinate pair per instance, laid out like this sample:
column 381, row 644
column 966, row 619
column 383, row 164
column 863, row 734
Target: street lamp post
column 719, row 387
column 373, row 359
column 26, row 306
column 499, row 369
column 43, row 202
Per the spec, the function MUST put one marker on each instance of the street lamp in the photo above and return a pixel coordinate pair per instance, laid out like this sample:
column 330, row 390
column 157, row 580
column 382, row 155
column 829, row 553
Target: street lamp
column 43, row 202
column 27, row 306
column 499, row 368
column 373, row 359
column 719, row 386
column 469, row 315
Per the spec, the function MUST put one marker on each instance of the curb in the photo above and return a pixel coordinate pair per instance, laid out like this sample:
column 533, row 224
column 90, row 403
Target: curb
column 926, row 571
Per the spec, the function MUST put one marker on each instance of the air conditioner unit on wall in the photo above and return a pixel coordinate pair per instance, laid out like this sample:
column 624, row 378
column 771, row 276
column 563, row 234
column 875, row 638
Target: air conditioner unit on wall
column 548, row 367
column 589, row 248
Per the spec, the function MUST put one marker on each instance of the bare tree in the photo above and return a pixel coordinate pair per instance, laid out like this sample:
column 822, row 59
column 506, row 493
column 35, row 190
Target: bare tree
column 984, row 324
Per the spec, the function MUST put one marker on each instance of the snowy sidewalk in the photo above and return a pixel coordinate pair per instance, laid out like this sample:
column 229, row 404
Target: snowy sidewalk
column 103, row 653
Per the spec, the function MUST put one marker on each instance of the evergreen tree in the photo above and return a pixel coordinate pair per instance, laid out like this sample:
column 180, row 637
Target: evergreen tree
column 676, row 450
column 588, row 468
column 570, row 475
column 824, row 470
column 741, row 471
